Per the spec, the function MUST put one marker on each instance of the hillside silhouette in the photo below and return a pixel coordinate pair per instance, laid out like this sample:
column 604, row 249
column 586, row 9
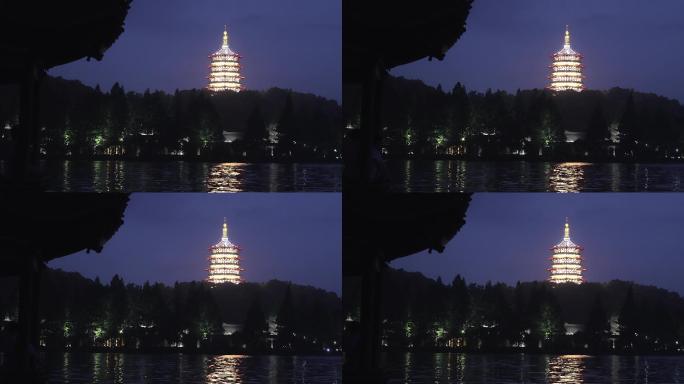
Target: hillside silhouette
column 274, row 317
column 78, row 121
column 422, row 121
column 616, row 317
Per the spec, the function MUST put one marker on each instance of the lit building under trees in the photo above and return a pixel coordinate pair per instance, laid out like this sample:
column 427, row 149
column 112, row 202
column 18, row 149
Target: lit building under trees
column 566, row 261
column 224, row 71
column 224, row 261
column 566, row 69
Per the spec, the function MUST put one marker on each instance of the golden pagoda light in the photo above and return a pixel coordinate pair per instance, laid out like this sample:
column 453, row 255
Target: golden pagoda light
column 224, row 71
column 566, row 261
column 224, row 261
column 566, row 68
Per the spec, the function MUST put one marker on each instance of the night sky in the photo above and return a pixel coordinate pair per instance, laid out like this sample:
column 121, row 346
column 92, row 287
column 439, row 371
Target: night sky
column 507, row 238
column 165, row 237
column 508, row 44
column 166, row 43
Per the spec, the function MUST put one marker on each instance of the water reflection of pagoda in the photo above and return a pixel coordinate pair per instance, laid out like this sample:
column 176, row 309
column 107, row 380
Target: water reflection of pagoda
column 566, row 262
column 224, row 261
column 566, row 69
column 224, row 72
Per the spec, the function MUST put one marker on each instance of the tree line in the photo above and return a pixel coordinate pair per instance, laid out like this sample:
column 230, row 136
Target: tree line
column 79, row 121
column 273, row 317
column 422, row 313
column 619, row 124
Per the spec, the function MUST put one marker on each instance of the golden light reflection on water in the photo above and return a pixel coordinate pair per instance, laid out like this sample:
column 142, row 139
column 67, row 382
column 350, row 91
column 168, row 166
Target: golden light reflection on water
column 225, row 369
column 567, row 177
column 65, row 367
column 408, row 179
column 460, row 368
column 407, row 366
column 225, row 177
column 439, row 177
column 565, row 369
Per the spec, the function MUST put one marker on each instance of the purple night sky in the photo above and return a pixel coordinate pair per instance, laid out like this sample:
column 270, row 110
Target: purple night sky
column 508, row 44
column 165, row 237
column 166, row 44
column 507, row 237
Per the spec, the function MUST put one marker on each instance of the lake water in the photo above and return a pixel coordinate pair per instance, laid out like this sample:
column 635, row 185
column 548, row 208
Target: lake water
column 522, row 176
column 181, row 176
column 100, row 368
column 522, row 368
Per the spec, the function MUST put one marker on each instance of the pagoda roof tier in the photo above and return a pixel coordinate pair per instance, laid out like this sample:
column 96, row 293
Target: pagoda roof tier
column 225, row 243
column 567, row 51
column 566, row 242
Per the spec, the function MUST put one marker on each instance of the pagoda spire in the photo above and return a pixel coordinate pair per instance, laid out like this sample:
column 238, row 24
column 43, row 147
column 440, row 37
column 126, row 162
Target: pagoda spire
column 224, row 260
column 566, row 68
column 225, row 36
column 224, row 70
column 566, row 261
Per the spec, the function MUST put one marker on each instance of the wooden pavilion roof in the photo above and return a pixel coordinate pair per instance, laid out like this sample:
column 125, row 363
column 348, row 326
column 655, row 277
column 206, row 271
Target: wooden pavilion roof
column 397, row 33
column 398, row 224
column 52, row 225
column 50, row 33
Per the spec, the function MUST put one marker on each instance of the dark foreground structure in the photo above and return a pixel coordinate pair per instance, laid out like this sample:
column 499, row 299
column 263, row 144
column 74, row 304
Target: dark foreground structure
column 34, row 37
column 376, row 230
column 37, row 228
column 376, row 37
column 37, row 35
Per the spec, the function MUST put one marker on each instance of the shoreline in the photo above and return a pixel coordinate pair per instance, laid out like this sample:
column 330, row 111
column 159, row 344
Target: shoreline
column 532, row 160
column 170, row 351
column 428, row 351
column 176, row 160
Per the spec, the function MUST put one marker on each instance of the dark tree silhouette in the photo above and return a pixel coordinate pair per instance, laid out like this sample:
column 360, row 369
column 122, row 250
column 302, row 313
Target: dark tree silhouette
column 628, row 320
column 287, row 129
column 256, row 134
column 255, row 327
column 597, row 327
column 422, row 313
column 83, row 122
column 422, row 121
column 629, row 128
column 598, row 132
column 287, row 322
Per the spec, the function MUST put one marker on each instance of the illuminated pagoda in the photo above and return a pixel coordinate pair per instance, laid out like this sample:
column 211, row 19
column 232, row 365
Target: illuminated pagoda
column 224, row 72
column 566, row 262
column 224, row 261
column 566, row 69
